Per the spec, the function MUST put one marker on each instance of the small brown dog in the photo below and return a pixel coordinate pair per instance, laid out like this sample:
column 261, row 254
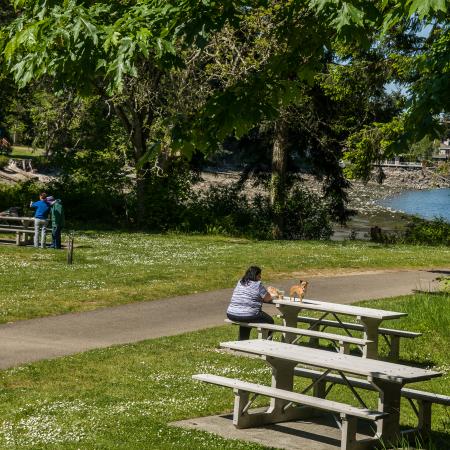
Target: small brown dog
column 299, row 290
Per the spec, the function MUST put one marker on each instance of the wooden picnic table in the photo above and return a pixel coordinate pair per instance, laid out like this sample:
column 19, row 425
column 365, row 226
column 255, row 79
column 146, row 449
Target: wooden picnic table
column 369, row 318
column 387, row 378
column 23, row 227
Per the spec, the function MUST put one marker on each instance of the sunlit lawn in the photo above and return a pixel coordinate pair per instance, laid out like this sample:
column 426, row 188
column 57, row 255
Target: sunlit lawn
column 117, row 268
column 125, row 396
column 19, row 151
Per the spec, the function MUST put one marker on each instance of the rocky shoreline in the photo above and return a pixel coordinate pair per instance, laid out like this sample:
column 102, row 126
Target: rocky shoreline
column 363, row 197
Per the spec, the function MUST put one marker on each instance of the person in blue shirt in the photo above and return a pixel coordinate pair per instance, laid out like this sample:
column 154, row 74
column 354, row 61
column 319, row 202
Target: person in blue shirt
column 40, row 219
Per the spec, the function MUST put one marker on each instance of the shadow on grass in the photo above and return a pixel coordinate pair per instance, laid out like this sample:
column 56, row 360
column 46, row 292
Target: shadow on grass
column 431, row 293
column 437, row 440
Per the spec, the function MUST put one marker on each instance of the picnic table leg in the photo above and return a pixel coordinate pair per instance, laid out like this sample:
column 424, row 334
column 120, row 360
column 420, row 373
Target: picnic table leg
column 344, row 347
column 283, row 378
column 279, row 410
column 289, row 316
column 424, row 418
column 371, row 333
column 394, row 351
column 388, row 428
column 348, row 432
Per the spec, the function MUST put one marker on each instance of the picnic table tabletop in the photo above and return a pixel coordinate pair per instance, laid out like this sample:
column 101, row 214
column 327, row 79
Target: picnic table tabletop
column 370, row 368
column 16, row 221
column 15, row 218
column 316, row 305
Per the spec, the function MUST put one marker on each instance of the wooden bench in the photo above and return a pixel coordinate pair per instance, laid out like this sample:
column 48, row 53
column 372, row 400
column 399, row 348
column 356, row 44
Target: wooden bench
column 241, row 416
column 394, row 335
column 343, row 341
column 424, row 399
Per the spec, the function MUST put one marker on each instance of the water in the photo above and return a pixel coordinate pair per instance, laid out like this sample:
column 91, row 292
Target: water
column 428, row 204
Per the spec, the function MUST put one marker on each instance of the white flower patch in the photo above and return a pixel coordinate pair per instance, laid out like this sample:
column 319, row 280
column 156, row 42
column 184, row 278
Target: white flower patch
column 39, row 429
column 63, row 422
column 84, row 285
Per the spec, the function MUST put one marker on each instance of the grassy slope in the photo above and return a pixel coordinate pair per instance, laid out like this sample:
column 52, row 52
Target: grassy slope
column 124, row 397
column 117, row 268
column 23, row 152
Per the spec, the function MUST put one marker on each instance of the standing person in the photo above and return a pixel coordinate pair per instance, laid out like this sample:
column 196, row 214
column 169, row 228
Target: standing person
column 40, row 219
column 58, row 221
column 246, row 301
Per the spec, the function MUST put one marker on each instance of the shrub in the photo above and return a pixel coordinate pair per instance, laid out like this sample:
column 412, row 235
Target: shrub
column 220, row 209
column 434, row 232
column 19, row 195
column 226, row 210
column 94, row 188
column 42, row 163
column 166, row 196
column 5, row 146
column 4, row 161
column 306, row 216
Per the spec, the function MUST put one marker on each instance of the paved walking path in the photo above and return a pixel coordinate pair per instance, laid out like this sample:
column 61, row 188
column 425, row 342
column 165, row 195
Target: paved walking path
column 50, row 337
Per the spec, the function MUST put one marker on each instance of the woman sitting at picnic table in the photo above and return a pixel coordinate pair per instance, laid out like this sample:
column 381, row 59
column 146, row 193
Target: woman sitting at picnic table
column 247, row 299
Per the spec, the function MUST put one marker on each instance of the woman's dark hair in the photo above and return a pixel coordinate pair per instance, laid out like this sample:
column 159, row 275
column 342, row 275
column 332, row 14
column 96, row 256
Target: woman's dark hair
column 251, row 274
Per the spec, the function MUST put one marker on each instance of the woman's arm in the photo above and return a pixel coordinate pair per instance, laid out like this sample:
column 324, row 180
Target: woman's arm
column 268, row 298
column 272, row 293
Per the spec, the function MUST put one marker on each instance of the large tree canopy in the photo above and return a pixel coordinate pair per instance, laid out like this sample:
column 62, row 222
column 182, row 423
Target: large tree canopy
column 126, row 53
column 80, row 43
column 139, row 57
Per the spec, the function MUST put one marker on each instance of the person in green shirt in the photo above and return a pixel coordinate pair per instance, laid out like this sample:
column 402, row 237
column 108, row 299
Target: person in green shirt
column 58, row 221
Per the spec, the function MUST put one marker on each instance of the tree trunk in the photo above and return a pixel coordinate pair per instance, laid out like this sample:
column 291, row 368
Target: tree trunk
column 133, row 123
column 278, row 179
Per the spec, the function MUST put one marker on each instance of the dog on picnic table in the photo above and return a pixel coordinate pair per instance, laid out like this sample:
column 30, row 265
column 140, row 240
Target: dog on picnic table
column 298, row 290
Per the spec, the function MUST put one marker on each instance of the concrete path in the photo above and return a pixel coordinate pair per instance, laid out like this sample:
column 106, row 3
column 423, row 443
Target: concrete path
column 50, row 337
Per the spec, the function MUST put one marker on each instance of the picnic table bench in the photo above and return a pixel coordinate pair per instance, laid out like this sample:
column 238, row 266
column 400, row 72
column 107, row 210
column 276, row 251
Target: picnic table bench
column 369, row 318
column 23, row 227
column 391, row 336
column 386, row 378
column 341, row 342
column 424, row 399
column 241, row 419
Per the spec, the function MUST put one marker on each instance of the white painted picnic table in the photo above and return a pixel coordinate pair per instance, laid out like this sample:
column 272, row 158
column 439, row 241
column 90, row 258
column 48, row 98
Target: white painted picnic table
column 370, row 318
column 388, row 378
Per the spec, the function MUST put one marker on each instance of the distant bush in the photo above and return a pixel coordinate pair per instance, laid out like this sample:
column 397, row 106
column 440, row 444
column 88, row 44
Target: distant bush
column 444, row 168
column 385, row 237
column 226, row 210
column 5, row 146
column 95, row 193
column 434, row 232
column 42, row 163
column 306, row 216
column 4, row 161
column 19, row 195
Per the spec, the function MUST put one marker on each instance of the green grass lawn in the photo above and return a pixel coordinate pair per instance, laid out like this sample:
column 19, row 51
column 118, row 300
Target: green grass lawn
column 24, row 152
column 125, row 396
column 117, row 268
